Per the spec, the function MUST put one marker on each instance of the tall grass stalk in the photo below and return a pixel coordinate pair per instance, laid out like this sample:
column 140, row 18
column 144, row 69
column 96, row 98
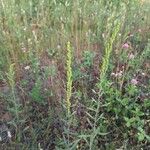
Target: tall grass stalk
column 108, row 50
column 11, row 80
column 69, row 77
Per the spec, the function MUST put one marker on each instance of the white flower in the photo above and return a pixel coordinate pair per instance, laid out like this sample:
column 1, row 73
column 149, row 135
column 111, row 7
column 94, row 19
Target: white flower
column 113, row 74
column 58, row 46
column 27, row 67
column 139, row 30
column 9, row 134
column 24, row 49
column 24, row 28
column 103, row 35
column 117, row 74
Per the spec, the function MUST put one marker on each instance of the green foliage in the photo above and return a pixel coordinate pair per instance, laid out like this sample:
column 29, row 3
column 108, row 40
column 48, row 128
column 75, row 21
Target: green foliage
column 88, row 59
column 41, row 73
column 50, row 71
column 36, row 92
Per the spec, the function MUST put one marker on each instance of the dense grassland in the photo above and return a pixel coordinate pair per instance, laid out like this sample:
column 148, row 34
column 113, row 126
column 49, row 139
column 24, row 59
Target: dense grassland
column 74, row 74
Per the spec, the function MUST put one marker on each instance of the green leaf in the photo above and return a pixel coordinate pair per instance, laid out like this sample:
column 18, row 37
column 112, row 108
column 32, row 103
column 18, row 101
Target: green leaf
column 141, row 136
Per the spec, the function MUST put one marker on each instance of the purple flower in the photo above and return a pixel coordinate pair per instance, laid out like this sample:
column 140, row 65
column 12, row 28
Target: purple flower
column 125, row 46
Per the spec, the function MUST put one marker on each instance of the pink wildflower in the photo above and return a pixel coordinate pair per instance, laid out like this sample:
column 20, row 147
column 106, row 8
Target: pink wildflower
column 134, row 82
column 125, row 46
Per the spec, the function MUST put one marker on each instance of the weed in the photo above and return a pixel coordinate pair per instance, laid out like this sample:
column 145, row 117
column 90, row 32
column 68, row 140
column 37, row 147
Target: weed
column 69, row 76
column 48, row 89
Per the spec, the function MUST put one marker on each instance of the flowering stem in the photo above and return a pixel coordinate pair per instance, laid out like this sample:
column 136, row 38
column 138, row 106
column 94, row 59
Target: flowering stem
column 69, row 77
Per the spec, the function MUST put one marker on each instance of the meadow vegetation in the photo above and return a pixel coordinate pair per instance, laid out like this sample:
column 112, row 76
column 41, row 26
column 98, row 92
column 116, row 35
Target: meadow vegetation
column 75, row 74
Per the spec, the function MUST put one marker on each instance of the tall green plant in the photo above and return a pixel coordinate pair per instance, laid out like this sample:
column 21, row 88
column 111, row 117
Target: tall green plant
column 69, row 76
column 108, row 50
column 11, row 80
